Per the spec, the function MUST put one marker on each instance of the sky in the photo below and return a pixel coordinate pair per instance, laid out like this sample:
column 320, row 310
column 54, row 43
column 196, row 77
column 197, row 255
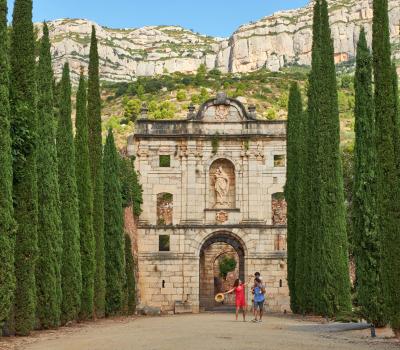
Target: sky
column 211, row 17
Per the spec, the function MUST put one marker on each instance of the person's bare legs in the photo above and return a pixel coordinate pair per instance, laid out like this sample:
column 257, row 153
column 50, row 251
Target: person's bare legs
column 261, row 313
column 237, row 312
column 244, row 314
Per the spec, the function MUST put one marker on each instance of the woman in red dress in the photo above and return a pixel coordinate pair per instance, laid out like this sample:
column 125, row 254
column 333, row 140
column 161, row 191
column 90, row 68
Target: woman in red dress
column 239, row 289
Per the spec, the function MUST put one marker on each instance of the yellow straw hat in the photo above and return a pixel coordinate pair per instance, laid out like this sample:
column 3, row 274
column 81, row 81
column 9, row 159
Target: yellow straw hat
column 219, row 298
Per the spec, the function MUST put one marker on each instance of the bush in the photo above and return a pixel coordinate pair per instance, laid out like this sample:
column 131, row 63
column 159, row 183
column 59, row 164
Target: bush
column 271, row 114
column 181, row 95
column 132, row 109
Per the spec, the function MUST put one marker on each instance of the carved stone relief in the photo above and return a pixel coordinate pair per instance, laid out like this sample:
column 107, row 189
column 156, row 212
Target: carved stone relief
column 279, row 209
column 222, row 184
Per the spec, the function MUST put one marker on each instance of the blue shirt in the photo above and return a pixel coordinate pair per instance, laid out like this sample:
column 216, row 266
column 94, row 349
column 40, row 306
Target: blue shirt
column 258, row 295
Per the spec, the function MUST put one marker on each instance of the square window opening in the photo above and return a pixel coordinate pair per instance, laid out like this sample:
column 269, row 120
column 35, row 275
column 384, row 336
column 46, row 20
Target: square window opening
column 279, row 160
column 163, row 243
column 165, row 161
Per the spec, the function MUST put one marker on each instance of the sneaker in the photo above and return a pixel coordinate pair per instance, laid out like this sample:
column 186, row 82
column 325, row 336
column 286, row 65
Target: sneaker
column 254, row 320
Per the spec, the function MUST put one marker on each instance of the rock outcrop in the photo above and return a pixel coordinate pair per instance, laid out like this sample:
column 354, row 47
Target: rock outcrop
column 275, row 41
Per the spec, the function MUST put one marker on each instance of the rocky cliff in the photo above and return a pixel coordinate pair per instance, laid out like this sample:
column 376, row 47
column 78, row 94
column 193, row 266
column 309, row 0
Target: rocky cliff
column 272, row 42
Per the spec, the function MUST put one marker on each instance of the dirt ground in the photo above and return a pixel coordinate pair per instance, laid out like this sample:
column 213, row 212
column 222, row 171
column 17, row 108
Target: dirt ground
column 206, row 332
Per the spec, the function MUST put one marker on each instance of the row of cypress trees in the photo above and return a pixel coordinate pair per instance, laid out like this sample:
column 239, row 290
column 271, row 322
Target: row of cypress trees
column 317, row 247
column 54, row 198
column 321, row 240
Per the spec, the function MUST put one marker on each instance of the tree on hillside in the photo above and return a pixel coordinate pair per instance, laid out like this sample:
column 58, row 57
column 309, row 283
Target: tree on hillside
column 96, row 169
column 7, row 278
column 366, row 245
column 329, row 281
column 292, row 193
column 24, row 144
column 48, row 277
column 71, row 260
column 85, row 196
column 388, row 175
column 113, row 230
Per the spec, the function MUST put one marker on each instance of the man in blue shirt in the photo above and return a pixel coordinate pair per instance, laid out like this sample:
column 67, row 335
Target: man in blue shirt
column 259, row 298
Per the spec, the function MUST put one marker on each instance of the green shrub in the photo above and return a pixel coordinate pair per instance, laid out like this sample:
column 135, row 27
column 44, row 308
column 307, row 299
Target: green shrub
column 181, row 95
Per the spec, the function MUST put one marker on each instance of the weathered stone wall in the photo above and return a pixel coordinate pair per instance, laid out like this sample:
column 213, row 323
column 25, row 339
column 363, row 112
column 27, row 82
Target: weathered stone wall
column 130, row 228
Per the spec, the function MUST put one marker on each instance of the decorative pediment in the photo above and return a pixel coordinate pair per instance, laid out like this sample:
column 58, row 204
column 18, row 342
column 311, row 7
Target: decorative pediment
column 223, row 109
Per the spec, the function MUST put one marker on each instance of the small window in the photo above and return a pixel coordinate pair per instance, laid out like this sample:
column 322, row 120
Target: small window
column 279, row 160
column 163, row 243
column 165, row 161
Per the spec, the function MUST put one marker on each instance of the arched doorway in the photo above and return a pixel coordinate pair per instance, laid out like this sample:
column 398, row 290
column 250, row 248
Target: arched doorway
column 216, row 251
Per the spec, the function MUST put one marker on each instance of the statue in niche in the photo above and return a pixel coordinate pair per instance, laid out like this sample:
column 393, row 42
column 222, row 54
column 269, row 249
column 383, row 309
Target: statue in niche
column 221, row 187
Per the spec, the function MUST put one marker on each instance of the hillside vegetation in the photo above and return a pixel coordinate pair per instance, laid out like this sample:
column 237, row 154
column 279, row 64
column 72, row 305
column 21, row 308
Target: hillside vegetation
column 169, row 96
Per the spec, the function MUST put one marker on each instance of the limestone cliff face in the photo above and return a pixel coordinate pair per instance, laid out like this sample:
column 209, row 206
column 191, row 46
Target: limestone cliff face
column 286, row 37
column 273, row 42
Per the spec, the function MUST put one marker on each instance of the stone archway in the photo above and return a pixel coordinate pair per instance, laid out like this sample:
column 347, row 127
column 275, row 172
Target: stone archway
column 219, row 244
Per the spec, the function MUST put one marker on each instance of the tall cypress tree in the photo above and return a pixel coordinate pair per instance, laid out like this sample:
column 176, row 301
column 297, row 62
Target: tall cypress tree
column 366, row 245
column 294, row 229
column 388, row 177
column 96, row 168
column 85, row 196
column 48, row 279
column 306, row 265
column 329, row 278
column 113, row 229
column 71, row 260
column 7, row 280
column 130, row 285
column 24, row 143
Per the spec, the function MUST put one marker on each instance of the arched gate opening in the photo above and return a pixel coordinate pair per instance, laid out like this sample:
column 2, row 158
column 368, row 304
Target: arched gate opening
column 219, row 247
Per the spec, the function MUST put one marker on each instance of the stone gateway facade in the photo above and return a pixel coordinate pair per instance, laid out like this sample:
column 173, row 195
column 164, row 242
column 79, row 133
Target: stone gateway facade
column 212, row 190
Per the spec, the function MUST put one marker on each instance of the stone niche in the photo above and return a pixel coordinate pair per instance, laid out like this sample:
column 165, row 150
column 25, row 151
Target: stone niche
column 165, row 209
column 222, row 185
column 279, row 209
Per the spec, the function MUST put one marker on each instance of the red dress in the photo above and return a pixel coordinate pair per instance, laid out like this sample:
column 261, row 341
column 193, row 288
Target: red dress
column 240, row 297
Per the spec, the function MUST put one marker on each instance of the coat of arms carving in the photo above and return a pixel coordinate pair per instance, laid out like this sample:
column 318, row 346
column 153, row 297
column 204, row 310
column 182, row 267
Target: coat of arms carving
column 222, row 216
column 222, row 112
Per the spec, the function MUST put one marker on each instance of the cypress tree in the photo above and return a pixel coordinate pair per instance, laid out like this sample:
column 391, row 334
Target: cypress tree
column 329, row 277
column 367, row 253
column 302, row 242
column 24, row 143
column 96, row 168
column 71, row 260
column 85, row 196
column 294, row 230
column 113, row 229
column 7, row 280
column 48, row 279
column 306, row 266
column 388, row 177
column 132, row 192
column 130, row 285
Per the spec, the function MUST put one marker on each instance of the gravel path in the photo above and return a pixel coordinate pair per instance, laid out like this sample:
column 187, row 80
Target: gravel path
column 204, row 332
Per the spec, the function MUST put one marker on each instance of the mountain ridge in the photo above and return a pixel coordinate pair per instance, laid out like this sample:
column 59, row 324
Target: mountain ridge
column 281, row 39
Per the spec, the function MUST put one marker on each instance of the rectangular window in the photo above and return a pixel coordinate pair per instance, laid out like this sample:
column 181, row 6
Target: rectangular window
column 279, row 160
column 163, row 243
column 165, row 161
